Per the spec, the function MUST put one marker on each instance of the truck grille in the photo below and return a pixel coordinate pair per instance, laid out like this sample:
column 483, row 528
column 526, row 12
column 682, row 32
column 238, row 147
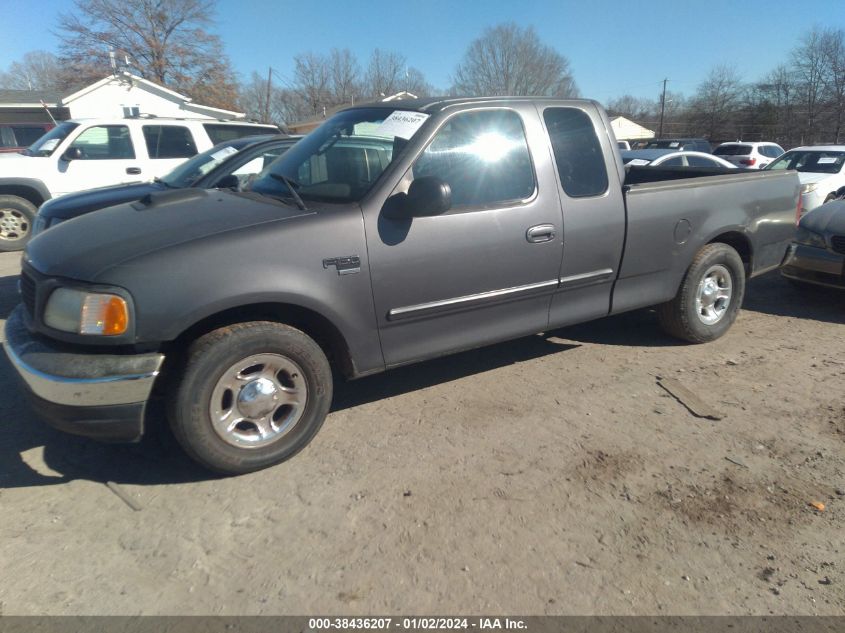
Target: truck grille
column 837, row 242
column 28, row 293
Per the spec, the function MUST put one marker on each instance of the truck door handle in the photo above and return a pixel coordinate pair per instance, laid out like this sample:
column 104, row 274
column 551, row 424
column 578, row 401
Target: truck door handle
column 133, row 170
column 540, row 233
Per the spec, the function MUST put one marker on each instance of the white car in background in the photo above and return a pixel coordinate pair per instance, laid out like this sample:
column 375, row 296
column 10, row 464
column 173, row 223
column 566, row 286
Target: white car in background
column 821, row 170
column 749, row 155
column 87, row 153
column 673, row 158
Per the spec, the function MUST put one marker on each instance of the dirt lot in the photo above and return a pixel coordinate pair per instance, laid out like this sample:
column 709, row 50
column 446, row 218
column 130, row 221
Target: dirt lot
column 547, row 475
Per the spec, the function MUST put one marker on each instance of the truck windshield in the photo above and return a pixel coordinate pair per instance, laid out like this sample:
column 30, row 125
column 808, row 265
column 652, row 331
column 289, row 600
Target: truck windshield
column 816, row 161
column 186, row 174
column 48, row 143
column 342, row 159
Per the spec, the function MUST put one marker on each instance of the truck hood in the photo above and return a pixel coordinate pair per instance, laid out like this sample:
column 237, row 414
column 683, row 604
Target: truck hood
column 19, row 165
column 72, row 205
column 87, row 246
column 827, row 219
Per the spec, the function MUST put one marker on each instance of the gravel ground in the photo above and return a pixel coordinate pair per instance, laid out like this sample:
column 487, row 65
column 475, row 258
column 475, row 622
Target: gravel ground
column 548, row 475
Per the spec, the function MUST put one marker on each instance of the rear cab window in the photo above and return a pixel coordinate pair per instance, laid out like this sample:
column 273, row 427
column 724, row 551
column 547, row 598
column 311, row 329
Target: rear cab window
column 577, row 150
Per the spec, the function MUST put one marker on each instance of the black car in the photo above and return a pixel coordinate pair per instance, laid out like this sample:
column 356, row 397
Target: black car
column 228, row 165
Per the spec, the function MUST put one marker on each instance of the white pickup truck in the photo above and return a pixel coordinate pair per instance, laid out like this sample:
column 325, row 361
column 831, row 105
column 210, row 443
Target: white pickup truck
column 87, row 153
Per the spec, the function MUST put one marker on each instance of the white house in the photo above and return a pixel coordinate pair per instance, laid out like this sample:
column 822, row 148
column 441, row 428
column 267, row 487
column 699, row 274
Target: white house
column 627, row 130
column 125, row 94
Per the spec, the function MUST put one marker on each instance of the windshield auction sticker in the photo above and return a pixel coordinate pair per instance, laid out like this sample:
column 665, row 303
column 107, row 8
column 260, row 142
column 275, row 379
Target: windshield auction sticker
column 401, row 123
column 223, row 153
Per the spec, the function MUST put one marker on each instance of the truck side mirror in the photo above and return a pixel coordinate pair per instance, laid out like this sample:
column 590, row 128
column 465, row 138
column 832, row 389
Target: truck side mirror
column 428, row 195
column 72, row 153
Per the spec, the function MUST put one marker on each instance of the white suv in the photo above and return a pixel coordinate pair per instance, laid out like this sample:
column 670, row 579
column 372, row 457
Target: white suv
column 749, row 155
column 88, row 153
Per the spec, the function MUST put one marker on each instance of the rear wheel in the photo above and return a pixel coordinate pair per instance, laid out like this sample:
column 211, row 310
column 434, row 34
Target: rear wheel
column 16, row 218
column 709, row 298
column 251, row 395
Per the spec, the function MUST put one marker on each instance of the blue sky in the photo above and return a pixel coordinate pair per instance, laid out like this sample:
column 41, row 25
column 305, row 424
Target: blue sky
column 614, row 47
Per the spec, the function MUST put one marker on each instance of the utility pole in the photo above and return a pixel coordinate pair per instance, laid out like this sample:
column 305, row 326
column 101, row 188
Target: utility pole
column 267, row 100
column 662, row 109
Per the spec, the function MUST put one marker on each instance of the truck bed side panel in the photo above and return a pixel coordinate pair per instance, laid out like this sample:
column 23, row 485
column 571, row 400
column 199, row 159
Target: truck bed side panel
column 668, row 222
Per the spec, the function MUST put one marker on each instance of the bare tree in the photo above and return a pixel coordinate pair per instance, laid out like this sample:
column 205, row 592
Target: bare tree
column 634, row 108
column 166, row 40
column 344, row 76
column 385, row 73
column 716, row 101
column 808, row 59
column 311, row 77
column 416, row 84
column 833, row 55
column 37, row 70
column 511, row 60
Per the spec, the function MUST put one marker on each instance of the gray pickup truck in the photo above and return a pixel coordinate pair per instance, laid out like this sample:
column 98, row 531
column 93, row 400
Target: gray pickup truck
column 393, row 233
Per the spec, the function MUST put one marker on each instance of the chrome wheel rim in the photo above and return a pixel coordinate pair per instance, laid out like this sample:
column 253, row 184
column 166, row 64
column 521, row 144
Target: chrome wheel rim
column 714, row 294
column 14, row 225
column 258, row 400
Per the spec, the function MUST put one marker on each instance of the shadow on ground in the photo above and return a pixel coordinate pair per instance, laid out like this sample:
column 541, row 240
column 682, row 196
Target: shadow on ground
column 159, row 460
column 773, row 294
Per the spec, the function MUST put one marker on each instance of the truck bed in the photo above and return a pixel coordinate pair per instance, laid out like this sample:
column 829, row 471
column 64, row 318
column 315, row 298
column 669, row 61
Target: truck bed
column 672, row 213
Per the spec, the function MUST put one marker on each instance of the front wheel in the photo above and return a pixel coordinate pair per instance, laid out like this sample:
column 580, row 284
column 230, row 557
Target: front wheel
column 251, row 395
column 709, row 298
column 16, row 218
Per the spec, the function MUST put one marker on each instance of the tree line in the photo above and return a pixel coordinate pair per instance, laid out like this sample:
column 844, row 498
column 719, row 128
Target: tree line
column 800, row 102
column 170, row 42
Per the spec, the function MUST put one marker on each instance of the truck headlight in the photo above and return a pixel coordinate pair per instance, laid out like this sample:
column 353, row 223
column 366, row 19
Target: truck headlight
column 81, row 312
column 808, row 238
column 809, row 187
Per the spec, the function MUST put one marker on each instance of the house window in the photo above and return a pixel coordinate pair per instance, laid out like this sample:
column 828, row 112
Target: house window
column 132, row 111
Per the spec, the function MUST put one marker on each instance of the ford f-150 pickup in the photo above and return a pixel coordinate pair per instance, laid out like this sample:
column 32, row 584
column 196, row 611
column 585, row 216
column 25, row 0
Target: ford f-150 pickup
column 393, row 233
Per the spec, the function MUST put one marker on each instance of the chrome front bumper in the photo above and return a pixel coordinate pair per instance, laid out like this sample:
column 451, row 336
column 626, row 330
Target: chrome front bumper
column 95, row 394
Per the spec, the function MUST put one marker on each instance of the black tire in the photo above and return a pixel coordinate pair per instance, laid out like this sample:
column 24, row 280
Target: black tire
column 680, row 317
column 209, row 358
column 17, row 216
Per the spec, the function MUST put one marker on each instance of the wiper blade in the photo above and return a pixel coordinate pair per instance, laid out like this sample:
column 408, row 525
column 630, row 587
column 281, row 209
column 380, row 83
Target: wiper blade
column 291, row 184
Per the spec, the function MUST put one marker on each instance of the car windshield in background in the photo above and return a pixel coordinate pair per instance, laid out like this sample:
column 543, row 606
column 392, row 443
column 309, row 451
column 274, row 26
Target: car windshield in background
column 186, row 174
column 733, row 150
column 48, row 143
column 665, row 145
column 815, row 161
column 341, row 160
